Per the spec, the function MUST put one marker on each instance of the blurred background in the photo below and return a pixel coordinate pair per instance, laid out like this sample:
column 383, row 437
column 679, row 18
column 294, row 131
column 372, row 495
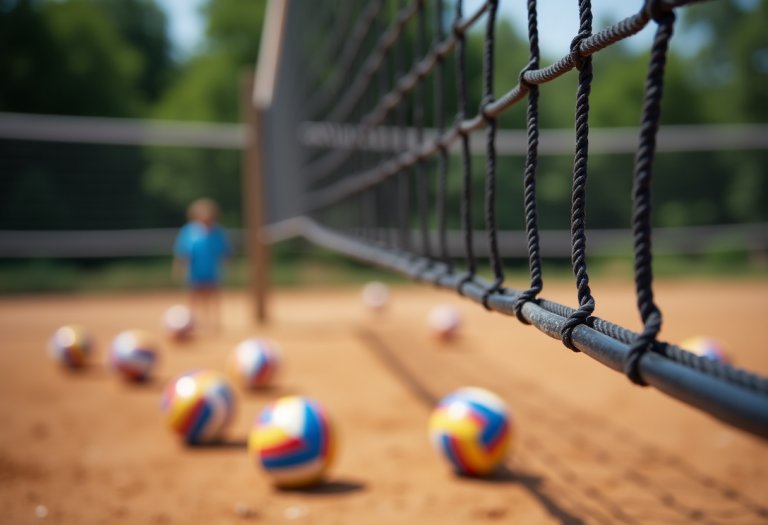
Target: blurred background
column 155, row 65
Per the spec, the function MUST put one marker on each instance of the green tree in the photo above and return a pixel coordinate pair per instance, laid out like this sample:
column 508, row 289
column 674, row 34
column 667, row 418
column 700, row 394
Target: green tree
column 66, row 58
column 732, row 68
column 144, row 26
column 208, row 89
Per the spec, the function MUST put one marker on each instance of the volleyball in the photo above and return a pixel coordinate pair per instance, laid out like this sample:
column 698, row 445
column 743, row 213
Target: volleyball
column 70, row 346
column 178, row 322
column 199, row 405
column 706, row 347
column 294, row 441
column 133, row 354
column 375, row 295
column 443, row 321
column 472, row 429
column 253, row 363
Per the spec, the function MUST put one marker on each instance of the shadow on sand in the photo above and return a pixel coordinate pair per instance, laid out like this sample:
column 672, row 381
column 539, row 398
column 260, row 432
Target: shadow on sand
column 533, row 485
column 328, row 488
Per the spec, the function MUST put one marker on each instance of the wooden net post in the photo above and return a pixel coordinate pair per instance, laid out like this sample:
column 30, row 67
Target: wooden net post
column 254, row 201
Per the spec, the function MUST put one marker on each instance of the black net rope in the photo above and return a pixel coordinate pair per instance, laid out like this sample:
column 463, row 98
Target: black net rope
column 418, row 118
column 442, row 160
column 466, row 159
column 641, row 220
column 580, row 175
column 490, row 168
column 531, row 163
column 400, row 100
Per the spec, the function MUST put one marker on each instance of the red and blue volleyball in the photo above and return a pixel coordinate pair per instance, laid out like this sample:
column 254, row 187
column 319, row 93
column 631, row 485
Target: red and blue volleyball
column 70, row 346
column 254, row 362
column 133, row 355
column 444, row 321
column 472, row 429
column 293, row 440
column 199, row 405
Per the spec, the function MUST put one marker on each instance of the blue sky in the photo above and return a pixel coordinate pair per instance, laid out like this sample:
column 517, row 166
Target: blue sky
column 558, row 21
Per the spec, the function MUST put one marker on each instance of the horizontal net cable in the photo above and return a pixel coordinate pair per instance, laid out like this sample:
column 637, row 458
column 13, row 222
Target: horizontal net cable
column 735, row 396
column 615, row 33
column 672, row 138
column 334, row 135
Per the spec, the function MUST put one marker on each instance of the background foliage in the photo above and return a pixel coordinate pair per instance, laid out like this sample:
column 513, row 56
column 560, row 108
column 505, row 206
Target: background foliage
column 114, row 58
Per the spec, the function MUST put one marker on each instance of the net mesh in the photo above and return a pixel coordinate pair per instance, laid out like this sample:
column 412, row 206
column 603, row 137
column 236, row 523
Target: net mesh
column 376, row 74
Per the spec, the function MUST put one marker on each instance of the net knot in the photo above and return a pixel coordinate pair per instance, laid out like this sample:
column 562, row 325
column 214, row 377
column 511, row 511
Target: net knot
column 657, row 10
column 578, row 317
column 643, row 343
column 533, row 65
column 525, row 297
column 457, row 123
column 495, row 287
column 576, row 58
column 466, row 279
column 458, row 31
column 487, row 101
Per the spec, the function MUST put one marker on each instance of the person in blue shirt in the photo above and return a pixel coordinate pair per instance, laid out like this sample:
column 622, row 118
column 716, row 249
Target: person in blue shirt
column 202, row 246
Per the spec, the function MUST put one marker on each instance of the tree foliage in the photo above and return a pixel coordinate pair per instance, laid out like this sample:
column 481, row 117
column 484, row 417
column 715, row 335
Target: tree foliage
column 113, row 58
column 66, row 58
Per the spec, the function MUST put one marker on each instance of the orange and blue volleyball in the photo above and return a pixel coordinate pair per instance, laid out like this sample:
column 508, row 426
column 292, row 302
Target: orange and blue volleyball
column 71, row 346
column 133, row 354
column 199, row 405
column 472, row 429
column 293, row 440
column 254, row 362
column 706, row 347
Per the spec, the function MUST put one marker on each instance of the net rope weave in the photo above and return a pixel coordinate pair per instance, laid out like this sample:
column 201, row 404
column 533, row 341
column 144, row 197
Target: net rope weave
column 365, row 196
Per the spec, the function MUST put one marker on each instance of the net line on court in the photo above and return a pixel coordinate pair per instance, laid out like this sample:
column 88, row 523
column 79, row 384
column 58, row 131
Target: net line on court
column 363, row 204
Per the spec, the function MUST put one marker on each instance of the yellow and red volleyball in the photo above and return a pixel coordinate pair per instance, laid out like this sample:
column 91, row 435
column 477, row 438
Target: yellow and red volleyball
column 294, row 441
column 178, row 322
column 707, row 347
column 133, row 354
column 254, row 362
column 199, row 405
column 71, row 346
column 472, row 429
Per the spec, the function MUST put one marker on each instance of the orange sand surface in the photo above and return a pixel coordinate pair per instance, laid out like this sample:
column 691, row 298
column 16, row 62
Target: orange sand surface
column 589, row 446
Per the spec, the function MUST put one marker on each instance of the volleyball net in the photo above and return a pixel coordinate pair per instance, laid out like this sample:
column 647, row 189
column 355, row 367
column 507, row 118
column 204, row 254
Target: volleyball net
column 364, row 118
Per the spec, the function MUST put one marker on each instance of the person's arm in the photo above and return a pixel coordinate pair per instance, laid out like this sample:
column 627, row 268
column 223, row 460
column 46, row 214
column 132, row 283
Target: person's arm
column 178, row 269
column 181, row 256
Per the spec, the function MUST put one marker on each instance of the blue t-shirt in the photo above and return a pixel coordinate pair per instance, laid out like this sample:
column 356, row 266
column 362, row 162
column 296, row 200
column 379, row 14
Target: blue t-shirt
column 204, row 250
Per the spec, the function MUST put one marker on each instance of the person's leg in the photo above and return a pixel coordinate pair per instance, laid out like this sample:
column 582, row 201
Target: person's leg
column 215, row 304
column 197, row 305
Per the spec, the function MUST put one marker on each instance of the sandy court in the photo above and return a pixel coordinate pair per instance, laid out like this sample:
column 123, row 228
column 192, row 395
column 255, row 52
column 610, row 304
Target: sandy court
column 589, row 447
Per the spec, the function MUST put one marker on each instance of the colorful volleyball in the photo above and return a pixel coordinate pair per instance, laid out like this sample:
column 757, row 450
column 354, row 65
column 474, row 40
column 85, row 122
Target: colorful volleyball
column 70, row 346
column 375, row 295
column 293, row 440
column 199, row 405
column 706, row 347
column 178, row 322
column 472, row 428
column 133, row 354
column 253, row 362
column 443, row 321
